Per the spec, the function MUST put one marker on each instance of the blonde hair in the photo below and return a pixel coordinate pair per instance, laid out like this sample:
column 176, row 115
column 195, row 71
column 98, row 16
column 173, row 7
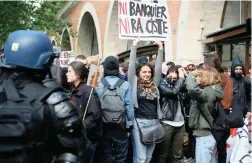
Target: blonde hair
column 208, row 76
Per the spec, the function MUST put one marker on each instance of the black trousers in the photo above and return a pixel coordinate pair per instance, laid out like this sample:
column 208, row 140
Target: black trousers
column 221, row 148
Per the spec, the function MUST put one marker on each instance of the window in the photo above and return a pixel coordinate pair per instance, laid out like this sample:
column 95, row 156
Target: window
column 234, row 13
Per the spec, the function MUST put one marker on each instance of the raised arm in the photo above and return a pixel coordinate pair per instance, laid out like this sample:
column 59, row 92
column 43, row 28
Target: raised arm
column 197, row 93
column 165, row 90
column 132, row 62
column 158, row 63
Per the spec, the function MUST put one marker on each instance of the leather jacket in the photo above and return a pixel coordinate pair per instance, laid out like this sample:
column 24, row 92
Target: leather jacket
column 170, row 96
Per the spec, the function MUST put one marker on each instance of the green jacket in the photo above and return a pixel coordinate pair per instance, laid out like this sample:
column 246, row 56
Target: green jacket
column 202, row 104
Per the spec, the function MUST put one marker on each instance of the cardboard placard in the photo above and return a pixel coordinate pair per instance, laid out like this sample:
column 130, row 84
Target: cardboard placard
column 94, row 74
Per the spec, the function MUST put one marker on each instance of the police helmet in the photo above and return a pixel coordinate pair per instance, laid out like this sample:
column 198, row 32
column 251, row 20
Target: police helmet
column 29, row 49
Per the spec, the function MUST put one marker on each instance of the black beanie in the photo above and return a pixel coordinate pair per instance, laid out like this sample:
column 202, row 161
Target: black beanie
column 143, row 60
column 111, row 66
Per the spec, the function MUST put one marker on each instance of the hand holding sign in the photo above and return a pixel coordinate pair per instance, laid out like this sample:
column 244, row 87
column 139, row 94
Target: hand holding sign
column 135, row 42
column 160, row 44
column 93, row 82
column 95, row 60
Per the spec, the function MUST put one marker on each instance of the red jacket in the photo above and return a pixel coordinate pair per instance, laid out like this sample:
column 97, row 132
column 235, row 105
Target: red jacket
column 227, row 85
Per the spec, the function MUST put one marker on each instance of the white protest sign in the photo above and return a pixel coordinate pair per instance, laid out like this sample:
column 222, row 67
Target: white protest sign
column 65, row 58
column 149, row 21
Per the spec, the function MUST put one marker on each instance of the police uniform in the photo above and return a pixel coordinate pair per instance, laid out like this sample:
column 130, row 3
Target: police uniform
column 38, row 124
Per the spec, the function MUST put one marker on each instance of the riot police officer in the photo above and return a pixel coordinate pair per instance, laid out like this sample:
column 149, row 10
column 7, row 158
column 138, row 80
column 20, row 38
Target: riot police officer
column 37, row 124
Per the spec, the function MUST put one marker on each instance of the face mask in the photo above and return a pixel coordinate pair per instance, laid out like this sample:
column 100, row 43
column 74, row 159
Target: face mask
column 172, row 82
column 238, row 75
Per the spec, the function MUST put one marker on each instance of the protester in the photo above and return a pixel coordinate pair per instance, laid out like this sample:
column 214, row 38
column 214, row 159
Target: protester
column 241, row 87
column 190, row 68
column 117, row 112
column 170, row 64
column 144, row 80
column 123, row 72
column 227, row 86
column 204, row 88
column 249, row 74
column 91, row 109
column 200, row 66
column 82, row 59
column 173, row 119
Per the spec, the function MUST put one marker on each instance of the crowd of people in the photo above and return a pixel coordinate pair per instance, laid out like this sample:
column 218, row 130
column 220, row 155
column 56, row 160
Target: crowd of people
column 142, row 112
column 179, row 98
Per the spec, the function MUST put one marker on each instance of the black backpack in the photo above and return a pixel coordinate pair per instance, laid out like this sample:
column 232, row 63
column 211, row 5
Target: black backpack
column 220, row 127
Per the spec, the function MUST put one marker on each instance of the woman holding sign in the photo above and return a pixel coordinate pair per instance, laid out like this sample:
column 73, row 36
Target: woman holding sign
column 147, row 130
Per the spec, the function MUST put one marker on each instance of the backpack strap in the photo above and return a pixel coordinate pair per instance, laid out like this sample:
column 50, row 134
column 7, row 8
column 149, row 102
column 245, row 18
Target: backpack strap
column 105, row 82
column 11, row 90
column 119, row 83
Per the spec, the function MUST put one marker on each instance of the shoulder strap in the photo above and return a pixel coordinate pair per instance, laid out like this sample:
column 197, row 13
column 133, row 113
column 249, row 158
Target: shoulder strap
column 11, row 91
column 105, row 82
column 119, row 83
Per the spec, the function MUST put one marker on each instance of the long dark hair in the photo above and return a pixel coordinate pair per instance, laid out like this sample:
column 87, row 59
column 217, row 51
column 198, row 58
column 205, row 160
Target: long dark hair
column 214, row 61
column 80, row 69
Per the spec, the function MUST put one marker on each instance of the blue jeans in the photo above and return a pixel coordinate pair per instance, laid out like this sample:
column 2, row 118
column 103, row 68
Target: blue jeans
column 205, row 149
column 141, row 153
column 115, row 150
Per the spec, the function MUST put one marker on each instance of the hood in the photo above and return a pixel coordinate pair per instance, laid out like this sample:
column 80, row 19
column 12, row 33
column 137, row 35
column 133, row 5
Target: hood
column 235, row 63
column 111, row 66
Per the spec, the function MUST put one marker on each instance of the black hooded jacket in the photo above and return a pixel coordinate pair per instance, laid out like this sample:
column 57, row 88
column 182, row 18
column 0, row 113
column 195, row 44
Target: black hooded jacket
column 241, row 87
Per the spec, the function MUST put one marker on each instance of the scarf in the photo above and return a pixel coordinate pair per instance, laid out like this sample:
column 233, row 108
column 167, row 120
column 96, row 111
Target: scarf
column 148, row 87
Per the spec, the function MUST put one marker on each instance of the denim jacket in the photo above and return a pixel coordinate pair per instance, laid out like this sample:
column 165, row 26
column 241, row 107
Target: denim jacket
column 127, row 89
